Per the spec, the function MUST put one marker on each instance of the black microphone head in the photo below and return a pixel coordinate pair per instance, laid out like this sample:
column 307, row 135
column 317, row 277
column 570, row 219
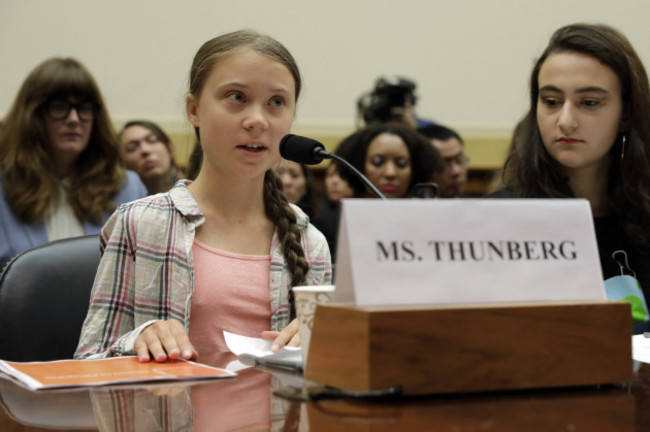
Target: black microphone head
column 301, row 149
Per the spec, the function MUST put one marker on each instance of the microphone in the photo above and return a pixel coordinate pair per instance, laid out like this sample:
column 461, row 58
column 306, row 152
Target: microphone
column 302, row 149
column 311, row 152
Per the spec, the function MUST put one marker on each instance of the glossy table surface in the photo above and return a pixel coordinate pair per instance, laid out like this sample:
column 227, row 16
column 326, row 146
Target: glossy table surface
column 248, row 402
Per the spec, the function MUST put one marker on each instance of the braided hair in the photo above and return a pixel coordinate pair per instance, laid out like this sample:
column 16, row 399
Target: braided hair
column 280, row 213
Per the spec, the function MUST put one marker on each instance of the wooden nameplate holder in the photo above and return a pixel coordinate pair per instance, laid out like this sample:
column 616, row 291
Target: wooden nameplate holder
column 469, row 348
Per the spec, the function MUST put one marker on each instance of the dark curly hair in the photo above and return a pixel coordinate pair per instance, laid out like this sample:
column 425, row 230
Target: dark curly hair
column 425, row 159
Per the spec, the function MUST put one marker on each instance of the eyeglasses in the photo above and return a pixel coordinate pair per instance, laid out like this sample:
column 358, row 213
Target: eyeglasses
column 461, row 160
column 60, row 110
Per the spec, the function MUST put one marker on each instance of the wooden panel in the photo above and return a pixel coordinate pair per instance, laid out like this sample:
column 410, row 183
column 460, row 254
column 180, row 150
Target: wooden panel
column 486, row 153
column 349, row 356
column 464, row 349
column 183, row 144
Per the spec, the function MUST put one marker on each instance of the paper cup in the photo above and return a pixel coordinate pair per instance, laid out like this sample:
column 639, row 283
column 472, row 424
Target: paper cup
column 306, row 298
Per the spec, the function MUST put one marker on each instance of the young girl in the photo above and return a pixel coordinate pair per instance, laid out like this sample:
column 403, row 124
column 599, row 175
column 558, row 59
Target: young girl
column 587, row 135
column 222, row 252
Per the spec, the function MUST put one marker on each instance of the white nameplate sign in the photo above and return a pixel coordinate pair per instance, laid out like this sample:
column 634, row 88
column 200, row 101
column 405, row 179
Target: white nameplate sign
column 418, row 251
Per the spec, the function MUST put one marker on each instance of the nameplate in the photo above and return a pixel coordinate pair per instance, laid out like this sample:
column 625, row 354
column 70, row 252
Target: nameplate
column 414, row 252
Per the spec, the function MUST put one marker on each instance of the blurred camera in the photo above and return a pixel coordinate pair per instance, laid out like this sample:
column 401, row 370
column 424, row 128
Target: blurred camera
column 377, row 105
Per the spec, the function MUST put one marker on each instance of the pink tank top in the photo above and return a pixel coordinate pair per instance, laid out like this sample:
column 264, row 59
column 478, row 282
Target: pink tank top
column 231, row 292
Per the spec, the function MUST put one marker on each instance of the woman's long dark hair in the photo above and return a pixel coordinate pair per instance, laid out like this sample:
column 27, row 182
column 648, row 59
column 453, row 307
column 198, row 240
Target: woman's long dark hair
column 531, row 170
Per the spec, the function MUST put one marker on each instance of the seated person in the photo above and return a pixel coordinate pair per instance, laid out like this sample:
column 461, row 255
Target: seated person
column 222, row 252
column 586, row 135
column 297, row 185
column 336, row 188
column 451, row 180
column 149, row 152
column 61, row 173
column 393, row 157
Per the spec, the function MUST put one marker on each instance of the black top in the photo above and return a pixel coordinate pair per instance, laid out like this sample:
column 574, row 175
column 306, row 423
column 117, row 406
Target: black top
column 619, row 256
column 327, row 222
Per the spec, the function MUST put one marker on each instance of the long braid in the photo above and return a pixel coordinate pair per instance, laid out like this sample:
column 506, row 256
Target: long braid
column 284, row 219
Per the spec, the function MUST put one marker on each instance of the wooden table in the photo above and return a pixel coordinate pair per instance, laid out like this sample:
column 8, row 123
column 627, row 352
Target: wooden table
column 247, row 403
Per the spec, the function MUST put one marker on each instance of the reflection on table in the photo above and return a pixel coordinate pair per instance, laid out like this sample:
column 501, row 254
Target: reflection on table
column 247, row 402
column 233, row 404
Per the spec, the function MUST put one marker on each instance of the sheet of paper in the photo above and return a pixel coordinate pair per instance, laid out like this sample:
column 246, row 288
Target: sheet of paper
column 260, row 350
column 641, row 348
column 84, row 373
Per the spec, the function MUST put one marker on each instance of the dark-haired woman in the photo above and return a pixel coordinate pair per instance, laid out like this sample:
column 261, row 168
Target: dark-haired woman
column 297, row 185
column 393, row 157
column 587, row 135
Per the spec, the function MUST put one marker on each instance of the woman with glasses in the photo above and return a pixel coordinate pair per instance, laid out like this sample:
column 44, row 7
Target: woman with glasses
column 149, row 151
column 61, row 172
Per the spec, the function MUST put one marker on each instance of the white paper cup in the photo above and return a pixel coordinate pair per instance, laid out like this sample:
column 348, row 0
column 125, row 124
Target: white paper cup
column 306, row 298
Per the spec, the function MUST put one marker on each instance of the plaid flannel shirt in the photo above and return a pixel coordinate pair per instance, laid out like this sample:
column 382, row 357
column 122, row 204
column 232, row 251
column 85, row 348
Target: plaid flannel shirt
column 146, row 272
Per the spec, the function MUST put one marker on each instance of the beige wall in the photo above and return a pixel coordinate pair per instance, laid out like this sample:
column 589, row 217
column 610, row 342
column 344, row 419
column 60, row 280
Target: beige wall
column 470, row 58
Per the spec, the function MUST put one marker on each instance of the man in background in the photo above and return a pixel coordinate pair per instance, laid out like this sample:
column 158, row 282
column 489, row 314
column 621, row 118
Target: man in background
column 452, row 179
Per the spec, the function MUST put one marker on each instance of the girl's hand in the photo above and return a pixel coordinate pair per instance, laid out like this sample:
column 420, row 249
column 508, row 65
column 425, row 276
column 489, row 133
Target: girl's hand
column 164, row 340
column 288, row 336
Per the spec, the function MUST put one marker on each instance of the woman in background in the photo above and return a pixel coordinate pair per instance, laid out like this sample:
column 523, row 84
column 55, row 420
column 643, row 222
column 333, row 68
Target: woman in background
column 587, row 135
column 297, row 185
column 149, row 152
column 61, row 173
column 336, row 188
column 392, row 156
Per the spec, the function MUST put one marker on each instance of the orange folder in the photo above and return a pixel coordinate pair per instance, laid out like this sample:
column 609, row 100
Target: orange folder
column 82, row 373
